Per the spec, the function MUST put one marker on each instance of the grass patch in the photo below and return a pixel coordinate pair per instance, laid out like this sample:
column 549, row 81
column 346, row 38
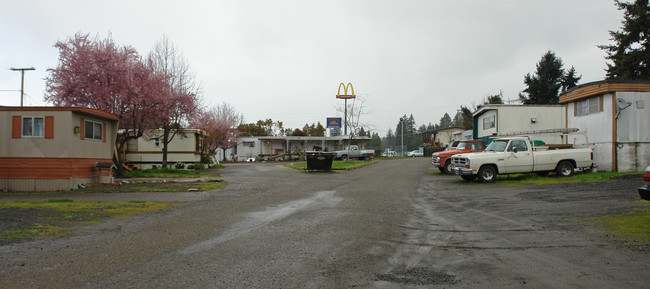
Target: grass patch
column 346, row 164
column 633, row 227
column 336, row 165
column 533, row 179
column 157, row 186
column 56, row 218
column 166, row 173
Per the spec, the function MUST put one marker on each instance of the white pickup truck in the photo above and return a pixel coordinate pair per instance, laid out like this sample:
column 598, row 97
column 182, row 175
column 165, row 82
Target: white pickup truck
column 519, row 155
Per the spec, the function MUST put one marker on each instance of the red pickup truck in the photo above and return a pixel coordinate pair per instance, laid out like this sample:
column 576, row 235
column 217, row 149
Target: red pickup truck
column 442, row 160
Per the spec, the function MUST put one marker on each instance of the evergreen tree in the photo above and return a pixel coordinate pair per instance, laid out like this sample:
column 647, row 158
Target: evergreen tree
column 362, row 132
column 445, row 121
column 630, row 54
column 467, row 118
column 495, row 99
column 375, row 142
column 544, row 86
column 458, row 118
column 389, row 140
column 569, row 79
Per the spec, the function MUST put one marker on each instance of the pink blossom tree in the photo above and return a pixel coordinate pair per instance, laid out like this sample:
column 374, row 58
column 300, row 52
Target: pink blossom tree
column 219, row 123
column 98, row 74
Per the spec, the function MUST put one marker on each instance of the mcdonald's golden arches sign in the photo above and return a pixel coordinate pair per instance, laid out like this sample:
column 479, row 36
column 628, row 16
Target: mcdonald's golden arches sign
column 346, row 89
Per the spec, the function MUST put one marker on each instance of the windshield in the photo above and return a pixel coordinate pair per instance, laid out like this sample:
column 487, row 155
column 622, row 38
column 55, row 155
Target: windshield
column 497, row 146
column 461, row 146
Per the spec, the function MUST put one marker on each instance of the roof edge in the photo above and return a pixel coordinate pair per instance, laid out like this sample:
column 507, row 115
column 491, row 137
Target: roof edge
column 84, row 110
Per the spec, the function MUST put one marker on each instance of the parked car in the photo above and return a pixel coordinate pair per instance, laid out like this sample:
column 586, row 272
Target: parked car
column 442, row 160
column 415, row 153
column 644, row 191
column 389, row 154
column 519, row 155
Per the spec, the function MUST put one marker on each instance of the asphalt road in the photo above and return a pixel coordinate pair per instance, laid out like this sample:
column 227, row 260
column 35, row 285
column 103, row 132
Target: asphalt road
column 394, row 224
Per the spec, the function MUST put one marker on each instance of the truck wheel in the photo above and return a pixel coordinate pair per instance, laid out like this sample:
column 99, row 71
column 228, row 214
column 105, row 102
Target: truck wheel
column 448, row 167
column 442, row 170
column 344, row 157
column 468, row 178
column 487, row 174
column 564, row 169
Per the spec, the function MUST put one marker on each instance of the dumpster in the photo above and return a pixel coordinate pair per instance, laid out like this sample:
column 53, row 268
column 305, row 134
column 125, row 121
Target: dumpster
column 319, row 161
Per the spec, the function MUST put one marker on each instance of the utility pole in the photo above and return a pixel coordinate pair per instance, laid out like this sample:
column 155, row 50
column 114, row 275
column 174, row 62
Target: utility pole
column 402, row 119
column 22, row 81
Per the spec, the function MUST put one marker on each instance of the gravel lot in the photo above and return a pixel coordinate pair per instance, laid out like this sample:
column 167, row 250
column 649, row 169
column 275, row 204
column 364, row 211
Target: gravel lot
column 394, row 224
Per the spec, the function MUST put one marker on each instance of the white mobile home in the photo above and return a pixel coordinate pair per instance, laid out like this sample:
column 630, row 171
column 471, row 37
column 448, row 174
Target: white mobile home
column 146, row 152
column 616, row 118
column 492, row 120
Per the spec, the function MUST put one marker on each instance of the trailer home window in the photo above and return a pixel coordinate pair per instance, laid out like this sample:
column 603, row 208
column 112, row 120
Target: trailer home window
column 489, row 122
column 92, row 130
column 588, row 106
column 33, row 126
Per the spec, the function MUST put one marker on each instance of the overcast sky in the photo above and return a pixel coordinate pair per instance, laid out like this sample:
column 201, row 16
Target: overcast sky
column 284, row 60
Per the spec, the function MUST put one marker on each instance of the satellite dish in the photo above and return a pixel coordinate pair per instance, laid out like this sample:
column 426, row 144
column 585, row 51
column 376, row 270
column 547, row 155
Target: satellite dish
column 621, row 104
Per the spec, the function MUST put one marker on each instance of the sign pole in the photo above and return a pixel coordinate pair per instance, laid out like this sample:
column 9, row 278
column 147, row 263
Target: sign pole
column 345, row 96
column 345, row 124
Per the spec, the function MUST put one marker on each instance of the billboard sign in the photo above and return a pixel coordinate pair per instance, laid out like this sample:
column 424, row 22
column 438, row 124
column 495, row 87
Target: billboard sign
column 334, row 122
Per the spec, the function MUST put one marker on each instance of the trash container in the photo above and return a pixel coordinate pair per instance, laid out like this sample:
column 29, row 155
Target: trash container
column 319, row 161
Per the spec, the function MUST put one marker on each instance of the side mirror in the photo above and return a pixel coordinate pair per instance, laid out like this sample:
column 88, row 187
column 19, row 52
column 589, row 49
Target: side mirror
column 514, row 150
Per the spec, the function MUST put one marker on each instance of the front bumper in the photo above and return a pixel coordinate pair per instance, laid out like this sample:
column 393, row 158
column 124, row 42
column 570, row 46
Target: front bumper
column 436, row 165
column 462, row 171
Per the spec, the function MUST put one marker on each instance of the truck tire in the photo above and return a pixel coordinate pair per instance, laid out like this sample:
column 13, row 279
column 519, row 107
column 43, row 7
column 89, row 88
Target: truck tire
column 468, row 178
column 564, row 169
column 448, row 167
column 487, row 174
column 442, row 170
column 344, row 157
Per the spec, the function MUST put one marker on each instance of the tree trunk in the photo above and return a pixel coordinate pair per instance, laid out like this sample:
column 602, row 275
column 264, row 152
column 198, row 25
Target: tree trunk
column 165, row 142
column 117, row 158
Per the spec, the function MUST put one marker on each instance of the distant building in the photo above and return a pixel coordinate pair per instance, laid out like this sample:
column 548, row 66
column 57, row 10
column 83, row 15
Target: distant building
column 616, row 117
column 55, row 148
column 290, row 147
column 441, row 137
column 146, row 152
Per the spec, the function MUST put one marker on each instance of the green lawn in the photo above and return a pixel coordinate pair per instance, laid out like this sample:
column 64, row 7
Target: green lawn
column 533, row 179
column 336, row 165
column 167, row 173
column 633, row 227
column 56, row 218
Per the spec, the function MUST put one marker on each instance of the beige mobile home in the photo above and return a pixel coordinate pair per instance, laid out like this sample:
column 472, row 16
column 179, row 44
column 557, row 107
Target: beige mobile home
column 146, row 152
column 54, row 148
